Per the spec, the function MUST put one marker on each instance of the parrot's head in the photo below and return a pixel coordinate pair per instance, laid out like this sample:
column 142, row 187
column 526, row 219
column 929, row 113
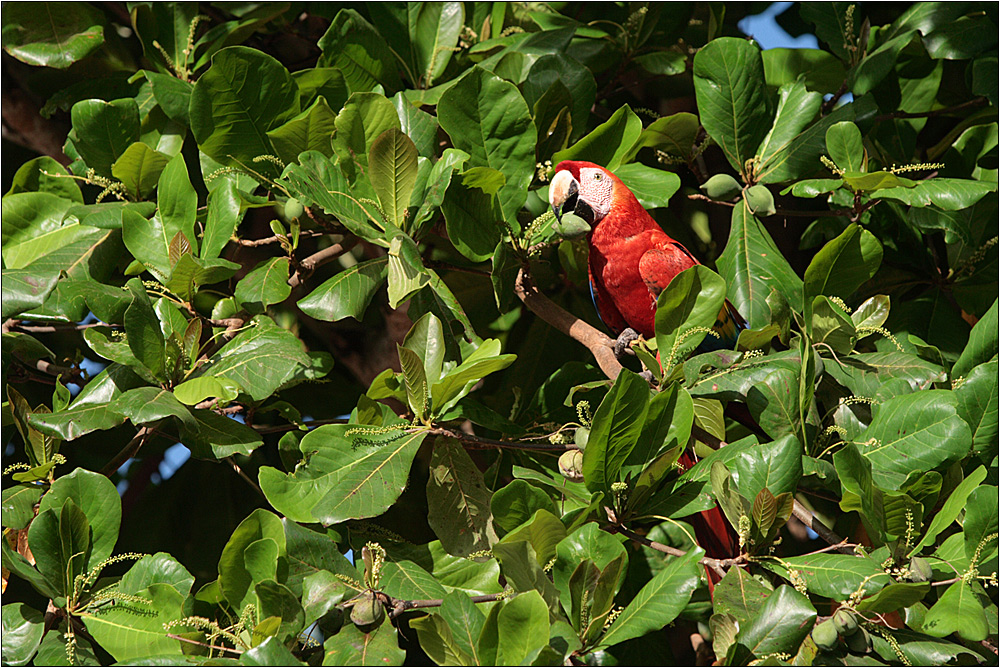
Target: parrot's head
column 584, row 189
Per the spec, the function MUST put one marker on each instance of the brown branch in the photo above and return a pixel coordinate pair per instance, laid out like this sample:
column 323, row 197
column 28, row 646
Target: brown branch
column 715, row 564
column 308, row 265
column 808, row 518
column 204, row 644
column 57, row 327
column 273, row 429
column 600, row 345
column 399, row 606
column 248, row 479
column 253, row 243
column 129, row 451
column 706, row 198
column 971, row 104
column 828, row 105
column 479, row 443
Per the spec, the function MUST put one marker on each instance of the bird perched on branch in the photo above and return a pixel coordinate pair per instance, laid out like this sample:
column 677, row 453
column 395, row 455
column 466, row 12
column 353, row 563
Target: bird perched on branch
column 631, row 261
column 631, row 258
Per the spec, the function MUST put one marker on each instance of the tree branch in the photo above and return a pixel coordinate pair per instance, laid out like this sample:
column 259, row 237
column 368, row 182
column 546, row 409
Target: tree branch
column 478, row 443
column 129, row 451
column 715, row 564
column 600, row 345
column 971, row 104
column 808, row 518
column 308, row 265
column 399, row 606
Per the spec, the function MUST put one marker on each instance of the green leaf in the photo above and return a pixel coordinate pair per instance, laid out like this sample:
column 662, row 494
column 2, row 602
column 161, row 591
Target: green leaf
column 542, row 532
column 732, row 97
column 674, row 134
column 35, row 224
column 347, row 293
column 855, row 474
column 23, row 628
column 277, row 600
column 139, row 168
column 351, row 647
column 267, row 284
column 961, row 39
column 149, row 404
column 172, row 95
column 19, row 504
column 609, row 144
column 776, row 466
column 51, row 34
column 836, row 576
column 957, row 611
column 406, row 269
column 652, row 187
column 224, row 213
column 951, row 509
column 615, row 428
column 980, row 525
column 982, row 345
column 693, row 299
column 832, row 326
column 783, row 622
column 408, row 580
column 250, row 556
column 98, row 499
column 459, row 381
column 821, row 71
column 914, row 432
column 260, row 359
column 309, row 131
column 587, row 542
column 740, row 594
column 196, row 390
column 659, row 602
column 271, row 652
column 487, row 118
column 517, row 502
column 752, row 266
column 343, row 478
column 774, row 403
column 458, row 501
column 434, row 30
column 133, row 631
column 393, row 172
column 863, row 374
column 947, row 194
column 352, row 45
column 522, row 628
column 843, row 142
column 465, row 621
column 60, row 542
column 102, row 131
column 191, row 272
column 243, row 94
column 895, row 597
column 142, row 329
column 44, row 174
column 473, row 216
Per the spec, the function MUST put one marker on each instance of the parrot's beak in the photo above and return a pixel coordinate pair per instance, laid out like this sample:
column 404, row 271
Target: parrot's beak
column 563, row 194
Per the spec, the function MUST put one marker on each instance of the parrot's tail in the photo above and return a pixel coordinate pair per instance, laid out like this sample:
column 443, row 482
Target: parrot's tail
column 715, row 535
column 728, row 326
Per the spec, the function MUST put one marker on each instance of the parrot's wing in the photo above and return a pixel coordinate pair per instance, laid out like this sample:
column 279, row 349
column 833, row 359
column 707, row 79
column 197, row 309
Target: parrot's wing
column 658, row 266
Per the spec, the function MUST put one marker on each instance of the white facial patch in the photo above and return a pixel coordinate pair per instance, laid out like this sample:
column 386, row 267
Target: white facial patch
column 596, row 188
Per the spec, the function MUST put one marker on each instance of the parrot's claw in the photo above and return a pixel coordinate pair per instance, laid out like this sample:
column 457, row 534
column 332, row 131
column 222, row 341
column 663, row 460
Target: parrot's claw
column 623, row 342
column 647, row 376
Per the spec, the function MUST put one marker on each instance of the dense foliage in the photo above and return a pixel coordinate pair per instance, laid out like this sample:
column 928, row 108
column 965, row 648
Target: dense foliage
column 312, row 244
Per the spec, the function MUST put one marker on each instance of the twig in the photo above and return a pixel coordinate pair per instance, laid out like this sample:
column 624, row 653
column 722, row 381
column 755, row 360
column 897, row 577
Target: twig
column 706, row 198
column 828, row 105
column 204, row 644
column 479, row 443
column 273, row 429
column 129, row 451
column 309, row 264
column 600, row 345
column 249, row 480
column 971, row 104
column 253, row 243
column 807, row 517
column 399, row 606
column 715, row 564
column 57, row 327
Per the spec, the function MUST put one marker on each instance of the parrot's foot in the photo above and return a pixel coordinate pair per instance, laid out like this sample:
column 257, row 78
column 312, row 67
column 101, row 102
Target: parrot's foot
column 647, row 376
column 623, row 342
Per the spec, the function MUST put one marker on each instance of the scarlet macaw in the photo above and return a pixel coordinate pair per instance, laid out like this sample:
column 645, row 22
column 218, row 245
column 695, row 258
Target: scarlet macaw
column 631, row 261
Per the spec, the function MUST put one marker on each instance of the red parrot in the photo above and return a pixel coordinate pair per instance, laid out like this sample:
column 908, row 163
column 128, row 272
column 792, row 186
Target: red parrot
column 631, row 261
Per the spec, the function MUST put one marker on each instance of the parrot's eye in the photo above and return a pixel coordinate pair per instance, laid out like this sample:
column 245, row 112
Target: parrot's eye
column 597, row 176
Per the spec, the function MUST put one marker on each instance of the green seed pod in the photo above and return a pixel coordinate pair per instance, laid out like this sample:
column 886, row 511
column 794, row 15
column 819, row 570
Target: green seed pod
column 760, row 200
column 860, row 642
column 292, row 209
column 824, row 635
column 721, row 187
column 571, row 226
column 571, row 465
column 846, row 622
column 705, row 630
column 581, row 437
column 920, row 570
column 368, row 612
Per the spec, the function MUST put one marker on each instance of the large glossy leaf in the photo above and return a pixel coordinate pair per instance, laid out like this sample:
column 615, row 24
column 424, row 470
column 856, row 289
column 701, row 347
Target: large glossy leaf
column 347, row 293
column 353, row 46
column 103, row 131
column 23, row 628
column 947, row 194
column 863, row 374
column 393, row 173
column 732, row 97
column 659, row 602
column 522, row 628
column 142, row 329
column 951, row 509
column 752, row 266
column 982, row 345
column 957, row 611
column 267, row 284
column 96, row 496
column 434, row 29
column 487, row 118
column 458, row 501
column 837, row 576
column 691, row 301
column 914, row 432
column 309, row 131
column 131, row 631
column 139, row 168
column 843, row 263
column 351, row 647
column 977, row 405
column 616, row 426
column 652, row 187
column 35, row 224
column 343, row 478
column 609, row 144
column 260, row 359
column 52, row 34
column 783, row 622
column 243, row 95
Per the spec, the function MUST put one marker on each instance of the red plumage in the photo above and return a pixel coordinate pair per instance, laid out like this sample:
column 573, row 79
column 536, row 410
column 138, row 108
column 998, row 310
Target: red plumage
column 631, row 261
